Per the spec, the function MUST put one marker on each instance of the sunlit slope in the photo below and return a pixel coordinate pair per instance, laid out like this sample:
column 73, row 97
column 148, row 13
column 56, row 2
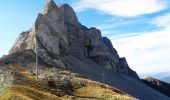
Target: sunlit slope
column 26, row 87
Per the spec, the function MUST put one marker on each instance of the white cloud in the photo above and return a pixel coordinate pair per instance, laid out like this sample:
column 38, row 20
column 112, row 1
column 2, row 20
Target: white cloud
column 110, row 25
column 125, row 8
column 162, row 21
column 147, row 51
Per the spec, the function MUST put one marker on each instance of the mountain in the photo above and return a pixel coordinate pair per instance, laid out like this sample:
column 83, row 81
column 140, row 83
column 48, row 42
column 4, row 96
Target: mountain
column 166, row 79
column 159, row 85
column 164, row 76
column 61, row 42
column 60, row 37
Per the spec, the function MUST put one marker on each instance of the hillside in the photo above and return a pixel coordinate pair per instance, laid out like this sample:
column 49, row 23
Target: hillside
column 50, row 86
column 164, row 76
column 159, row 85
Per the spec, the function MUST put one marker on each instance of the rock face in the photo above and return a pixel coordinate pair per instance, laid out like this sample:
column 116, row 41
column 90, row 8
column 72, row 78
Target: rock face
column 24, row 58
column 62, row 42
column 58, row 33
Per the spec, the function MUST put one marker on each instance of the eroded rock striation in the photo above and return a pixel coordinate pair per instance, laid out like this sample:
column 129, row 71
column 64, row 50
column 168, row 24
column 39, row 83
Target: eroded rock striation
column 58, row 33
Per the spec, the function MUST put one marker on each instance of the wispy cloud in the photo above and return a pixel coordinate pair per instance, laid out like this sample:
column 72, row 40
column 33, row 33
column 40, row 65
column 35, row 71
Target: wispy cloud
column 147, row 50
column 123, row 8
column 110, row 25
column 118, row 26
column 162, row 21
column 107, row 25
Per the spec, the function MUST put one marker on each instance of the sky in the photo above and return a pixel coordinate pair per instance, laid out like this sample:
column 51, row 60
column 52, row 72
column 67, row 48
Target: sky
column 138, row 29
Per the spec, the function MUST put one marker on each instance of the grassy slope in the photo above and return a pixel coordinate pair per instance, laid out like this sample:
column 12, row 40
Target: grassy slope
column 26, row 87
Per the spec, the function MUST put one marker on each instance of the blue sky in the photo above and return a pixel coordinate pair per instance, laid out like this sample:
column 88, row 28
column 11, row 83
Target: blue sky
column 138, row 29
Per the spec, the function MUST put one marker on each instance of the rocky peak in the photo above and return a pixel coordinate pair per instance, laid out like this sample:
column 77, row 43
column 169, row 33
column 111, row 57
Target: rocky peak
column 69, row 14
column 62, row 12
column 59, row 36
column 49, row 6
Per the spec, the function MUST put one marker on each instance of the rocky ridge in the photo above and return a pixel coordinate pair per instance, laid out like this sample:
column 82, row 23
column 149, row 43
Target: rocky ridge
column 58, row 33
column 159, row 85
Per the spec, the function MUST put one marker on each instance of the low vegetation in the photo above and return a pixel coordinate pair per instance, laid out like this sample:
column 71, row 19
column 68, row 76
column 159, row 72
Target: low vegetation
column 57, row 85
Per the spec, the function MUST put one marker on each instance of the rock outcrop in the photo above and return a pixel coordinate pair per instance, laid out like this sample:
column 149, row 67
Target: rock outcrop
column 58, row 33
column 6, row 79
column 24, row 58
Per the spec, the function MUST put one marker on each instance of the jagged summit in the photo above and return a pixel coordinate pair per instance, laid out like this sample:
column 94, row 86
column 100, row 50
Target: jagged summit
column 48, row 1
column 60, row 37
column 49, row 6
column 69, row 14
column 62, row 11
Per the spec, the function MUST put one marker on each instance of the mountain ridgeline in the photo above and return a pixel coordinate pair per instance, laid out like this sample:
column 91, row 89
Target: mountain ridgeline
column 159, row 85
column 63, row 42
column 59, row 34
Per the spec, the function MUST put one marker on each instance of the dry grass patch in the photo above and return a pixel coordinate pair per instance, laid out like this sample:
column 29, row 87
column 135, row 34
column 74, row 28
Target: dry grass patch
column 26, row 87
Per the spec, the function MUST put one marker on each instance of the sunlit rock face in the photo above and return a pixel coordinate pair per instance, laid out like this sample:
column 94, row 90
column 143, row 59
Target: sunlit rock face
column 58, row 33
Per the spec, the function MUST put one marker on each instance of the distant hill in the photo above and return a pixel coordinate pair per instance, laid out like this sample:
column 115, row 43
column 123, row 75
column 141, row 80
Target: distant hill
column 166, row 79
column 159, row 85
column 164, row 76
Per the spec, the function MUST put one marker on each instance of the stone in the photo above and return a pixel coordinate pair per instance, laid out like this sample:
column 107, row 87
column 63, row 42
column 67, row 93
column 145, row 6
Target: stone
column 112, row 50
column 58, row 33
column 49, row 6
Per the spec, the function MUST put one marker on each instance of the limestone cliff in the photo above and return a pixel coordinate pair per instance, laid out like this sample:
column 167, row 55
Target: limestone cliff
column 59, row 34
